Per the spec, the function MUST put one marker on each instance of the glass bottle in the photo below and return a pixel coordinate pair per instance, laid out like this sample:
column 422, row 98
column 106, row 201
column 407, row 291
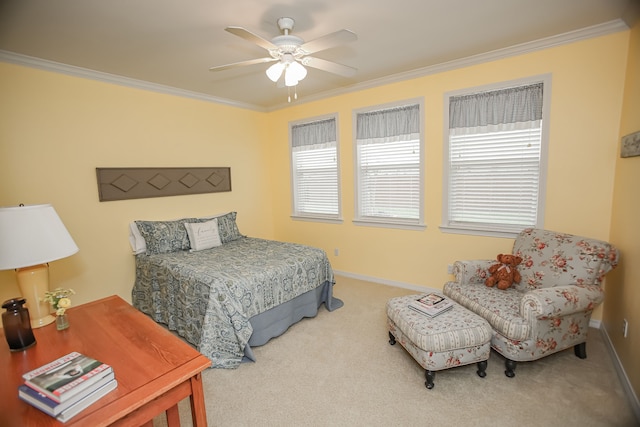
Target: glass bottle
column 62, row 322
column 17, row 325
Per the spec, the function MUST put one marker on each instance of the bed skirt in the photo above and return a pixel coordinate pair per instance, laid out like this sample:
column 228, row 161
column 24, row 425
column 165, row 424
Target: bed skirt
column 274, row 322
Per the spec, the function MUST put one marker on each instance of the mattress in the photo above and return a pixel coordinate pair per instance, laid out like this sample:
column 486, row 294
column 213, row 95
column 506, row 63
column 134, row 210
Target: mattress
column 218, row 298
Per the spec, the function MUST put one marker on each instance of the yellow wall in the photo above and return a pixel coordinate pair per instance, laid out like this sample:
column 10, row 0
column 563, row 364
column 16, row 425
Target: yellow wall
column 623, row 285
column 587, row 88
column 56, row 129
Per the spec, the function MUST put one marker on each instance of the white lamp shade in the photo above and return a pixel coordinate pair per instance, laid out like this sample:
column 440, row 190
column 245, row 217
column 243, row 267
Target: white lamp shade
column 32, row 235
column 289, row 79
column 275, row 71
column 299, row 72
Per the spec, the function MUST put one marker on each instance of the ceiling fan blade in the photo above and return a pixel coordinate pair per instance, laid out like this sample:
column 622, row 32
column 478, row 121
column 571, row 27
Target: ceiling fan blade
column 242, row 64
column 329, row 41
column 248, row 35
column 332, row 67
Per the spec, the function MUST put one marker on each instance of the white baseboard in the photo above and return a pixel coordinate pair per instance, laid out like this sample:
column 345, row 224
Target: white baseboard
column 387, row 282
column 597, row 324
column 592, row 322
column 624, row 379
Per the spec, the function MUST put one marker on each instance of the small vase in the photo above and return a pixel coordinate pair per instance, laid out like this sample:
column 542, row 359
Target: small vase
column 17, row 325
column 62, row 322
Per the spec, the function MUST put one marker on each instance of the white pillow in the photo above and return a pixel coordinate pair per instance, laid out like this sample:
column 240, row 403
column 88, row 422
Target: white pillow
column 203, row 235
column 136, row 240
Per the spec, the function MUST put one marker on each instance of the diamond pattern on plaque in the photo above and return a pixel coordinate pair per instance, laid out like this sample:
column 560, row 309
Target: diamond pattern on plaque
column 215, row 179
column 124, row 183
column 189, row 180
column 159, row 181
column 140, row 182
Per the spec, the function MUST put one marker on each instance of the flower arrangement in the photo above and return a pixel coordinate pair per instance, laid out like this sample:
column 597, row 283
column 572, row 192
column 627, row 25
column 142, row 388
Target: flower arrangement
column 59, row 299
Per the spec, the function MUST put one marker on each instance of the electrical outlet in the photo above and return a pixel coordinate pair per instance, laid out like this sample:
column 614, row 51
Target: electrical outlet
column 450, row 269
column 625, row 327
column 336, row 251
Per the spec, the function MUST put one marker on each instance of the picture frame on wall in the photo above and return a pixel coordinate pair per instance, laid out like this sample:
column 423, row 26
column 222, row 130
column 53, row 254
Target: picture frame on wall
column 630, row 145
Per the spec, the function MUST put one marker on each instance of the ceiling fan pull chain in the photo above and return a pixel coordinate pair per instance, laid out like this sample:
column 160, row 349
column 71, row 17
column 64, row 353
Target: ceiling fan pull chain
column 295, row 93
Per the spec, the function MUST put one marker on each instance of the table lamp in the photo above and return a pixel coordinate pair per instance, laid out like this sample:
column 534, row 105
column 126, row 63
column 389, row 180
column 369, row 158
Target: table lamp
column 31, row 237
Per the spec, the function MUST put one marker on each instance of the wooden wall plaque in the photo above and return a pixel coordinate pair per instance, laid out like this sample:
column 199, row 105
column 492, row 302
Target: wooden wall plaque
column 140, row 183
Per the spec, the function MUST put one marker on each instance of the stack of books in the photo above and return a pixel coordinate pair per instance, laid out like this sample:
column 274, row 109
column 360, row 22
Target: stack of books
column 431, row 304
column 68, row 385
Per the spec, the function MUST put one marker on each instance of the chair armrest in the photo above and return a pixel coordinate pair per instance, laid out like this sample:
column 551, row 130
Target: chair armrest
column 471, row 271
column 560, row 301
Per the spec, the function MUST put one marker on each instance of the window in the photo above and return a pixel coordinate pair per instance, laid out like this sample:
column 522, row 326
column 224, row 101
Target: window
column 389, row 166
column 314, row 169
column 495, row 160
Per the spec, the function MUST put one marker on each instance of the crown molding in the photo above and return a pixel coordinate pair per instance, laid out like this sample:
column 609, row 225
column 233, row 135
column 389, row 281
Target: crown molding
column 606, row 28
column 71, row 70
column 545, row 43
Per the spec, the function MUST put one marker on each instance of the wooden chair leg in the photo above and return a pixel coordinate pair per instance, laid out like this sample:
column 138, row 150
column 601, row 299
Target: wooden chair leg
column 392, row 339
column 511, row 367
column 482, row 369
column 430, row 376
column 580, row 350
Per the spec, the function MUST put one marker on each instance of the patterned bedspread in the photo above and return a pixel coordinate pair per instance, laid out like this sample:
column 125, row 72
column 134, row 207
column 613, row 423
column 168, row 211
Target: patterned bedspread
column 208, row 297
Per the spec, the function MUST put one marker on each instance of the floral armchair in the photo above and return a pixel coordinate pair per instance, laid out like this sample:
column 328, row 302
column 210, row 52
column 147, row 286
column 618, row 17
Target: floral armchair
column 549, row 310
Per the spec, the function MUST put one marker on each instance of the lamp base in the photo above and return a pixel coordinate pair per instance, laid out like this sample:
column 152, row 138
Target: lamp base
column 34, row 282
column 43, row 321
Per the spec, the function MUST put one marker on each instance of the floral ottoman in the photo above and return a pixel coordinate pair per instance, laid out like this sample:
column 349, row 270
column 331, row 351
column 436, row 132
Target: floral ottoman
column 456, row 337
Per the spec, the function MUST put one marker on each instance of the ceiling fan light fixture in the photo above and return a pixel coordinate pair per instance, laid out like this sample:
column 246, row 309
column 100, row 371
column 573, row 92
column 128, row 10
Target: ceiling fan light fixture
column 275, row 71
column 298, row 71
column 289, row 79
column 294, row 73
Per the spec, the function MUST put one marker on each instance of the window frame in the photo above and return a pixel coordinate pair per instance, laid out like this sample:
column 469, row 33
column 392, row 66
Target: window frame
column 386, row 222
column 315, row 217
column 497, row 230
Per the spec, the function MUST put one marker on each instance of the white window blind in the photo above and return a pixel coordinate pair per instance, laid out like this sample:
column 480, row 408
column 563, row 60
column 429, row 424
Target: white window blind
column 315, row 169
column 494, row 154
column 389, row 170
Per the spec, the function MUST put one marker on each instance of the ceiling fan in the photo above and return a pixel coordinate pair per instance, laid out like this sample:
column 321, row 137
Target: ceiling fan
column 292, row 53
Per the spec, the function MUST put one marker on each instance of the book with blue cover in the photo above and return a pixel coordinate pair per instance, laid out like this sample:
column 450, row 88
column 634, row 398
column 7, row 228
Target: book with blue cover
column 66, row 376
column 86, row 401
column 53, row 408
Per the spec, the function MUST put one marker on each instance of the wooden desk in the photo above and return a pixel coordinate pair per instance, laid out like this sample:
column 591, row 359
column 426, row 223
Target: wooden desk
column 154, row 369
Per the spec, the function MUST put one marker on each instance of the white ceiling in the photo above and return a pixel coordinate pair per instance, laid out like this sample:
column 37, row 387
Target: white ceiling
column 174, row 42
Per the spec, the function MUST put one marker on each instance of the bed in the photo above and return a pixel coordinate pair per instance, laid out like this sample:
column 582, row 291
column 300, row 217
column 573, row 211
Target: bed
column 228, row 296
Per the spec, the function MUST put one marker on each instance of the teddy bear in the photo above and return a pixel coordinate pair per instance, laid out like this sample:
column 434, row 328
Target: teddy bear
column 504, row 273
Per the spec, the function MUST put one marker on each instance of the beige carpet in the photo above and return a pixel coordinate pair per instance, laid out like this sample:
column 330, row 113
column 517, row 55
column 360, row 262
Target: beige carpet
column 338, row 369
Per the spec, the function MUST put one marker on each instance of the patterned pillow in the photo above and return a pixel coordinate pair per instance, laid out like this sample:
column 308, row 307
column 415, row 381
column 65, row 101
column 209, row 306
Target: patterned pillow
column 171, row 236
column 165, row 236
column 228, row 228
column 203, row 235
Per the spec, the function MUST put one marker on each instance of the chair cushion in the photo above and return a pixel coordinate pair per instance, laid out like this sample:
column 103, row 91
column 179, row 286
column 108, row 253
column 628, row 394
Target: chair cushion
column 500, row 308
column 454, row 329
column 552, row 259
column 455, row 338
